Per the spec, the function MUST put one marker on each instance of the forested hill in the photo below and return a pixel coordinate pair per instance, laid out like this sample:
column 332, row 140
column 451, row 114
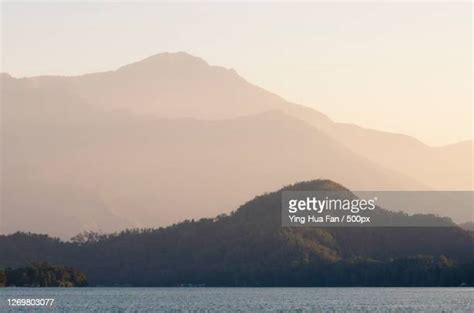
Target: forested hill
column 41, row 275
column 250, row 248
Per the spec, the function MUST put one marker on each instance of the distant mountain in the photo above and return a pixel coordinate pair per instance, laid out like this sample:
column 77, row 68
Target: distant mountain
column 171, row 137
column 177, row 85
column 92, row 169
column 249, row 247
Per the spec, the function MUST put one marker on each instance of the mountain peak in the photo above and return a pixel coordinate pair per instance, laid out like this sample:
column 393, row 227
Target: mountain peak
column 168, row 59
column 176, row 56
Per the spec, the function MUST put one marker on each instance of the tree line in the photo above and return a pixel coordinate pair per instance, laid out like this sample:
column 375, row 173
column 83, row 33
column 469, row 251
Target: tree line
column 249, row 247
column 42, row 275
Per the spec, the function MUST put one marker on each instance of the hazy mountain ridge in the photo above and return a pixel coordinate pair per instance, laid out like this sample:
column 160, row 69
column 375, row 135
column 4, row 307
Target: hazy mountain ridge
column 190, row 123
column 157, row 179
column 180, row 85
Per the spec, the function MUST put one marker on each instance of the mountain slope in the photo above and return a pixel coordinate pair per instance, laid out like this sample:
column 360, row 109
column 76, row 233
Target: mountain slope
column 71, row 149
column 173, row 85
column 66, row 158
column 250, row 248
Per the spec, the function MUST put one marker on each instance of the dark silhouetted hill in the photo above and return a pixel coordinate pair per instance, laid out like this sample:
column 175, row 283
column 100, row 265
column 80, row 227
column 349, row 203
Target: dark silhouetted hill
column 249, row 247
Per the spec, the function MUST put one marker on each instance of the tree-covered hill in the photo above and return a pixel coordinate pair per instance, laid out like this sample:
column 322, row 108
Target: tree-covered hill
column 250, row 248
column 42, row 275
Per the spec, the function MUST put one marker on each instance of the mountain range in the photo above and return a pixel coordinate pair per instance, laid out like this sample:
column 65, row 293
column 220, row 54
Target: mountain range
column 171, row 138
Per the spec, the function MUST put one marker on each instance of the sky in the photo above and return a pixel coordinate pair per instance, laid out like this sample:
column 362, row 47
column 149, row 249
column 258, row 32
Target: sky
column 396, row 66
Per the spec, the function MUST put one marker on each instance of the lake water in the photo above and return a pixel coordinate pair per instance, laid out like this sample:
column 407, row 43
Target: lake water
column 243, row 299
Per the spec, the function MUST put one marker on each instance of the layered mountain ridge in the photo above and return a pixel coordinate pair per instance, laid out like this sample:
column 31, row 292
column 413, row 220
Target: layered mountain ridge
column 154, row 142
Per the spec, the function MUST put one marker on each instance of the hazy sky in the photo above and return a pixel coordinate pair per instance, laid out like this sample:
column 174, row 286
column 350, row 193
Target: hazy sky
column 401, row 67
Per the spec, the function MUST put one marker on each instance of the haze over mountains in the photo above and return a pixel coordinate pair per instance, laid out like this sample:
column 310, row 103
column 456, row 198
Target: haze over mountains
column 170, row 138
